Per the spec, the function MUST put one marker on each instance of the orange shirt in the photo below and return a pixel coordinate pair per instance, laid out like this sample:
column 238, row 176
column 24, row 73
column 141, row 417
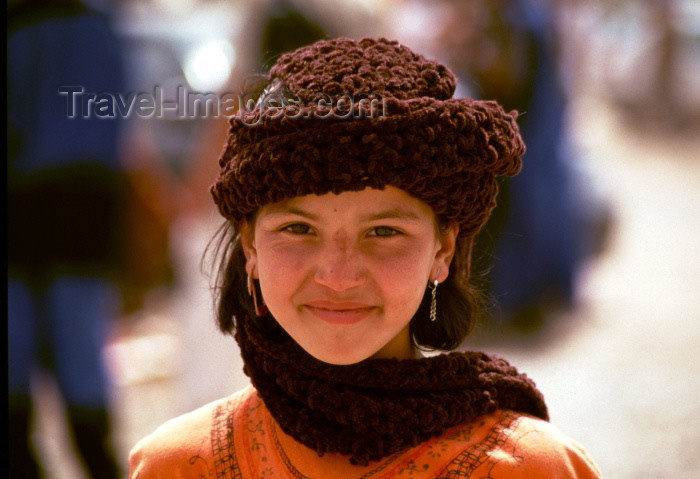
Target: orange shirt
column 237, row 438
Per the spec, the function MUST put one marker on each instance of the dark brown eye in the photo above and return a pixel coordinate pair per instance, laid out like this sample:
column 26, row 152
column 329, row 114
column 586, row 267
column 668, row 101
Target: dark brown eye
column 298, row 229
column 383, row 231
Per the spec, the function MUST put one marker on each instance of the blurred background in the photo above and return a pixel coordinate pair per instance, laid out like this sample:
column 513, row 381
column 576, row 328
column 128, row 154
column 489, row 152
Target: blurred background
column 592, row 254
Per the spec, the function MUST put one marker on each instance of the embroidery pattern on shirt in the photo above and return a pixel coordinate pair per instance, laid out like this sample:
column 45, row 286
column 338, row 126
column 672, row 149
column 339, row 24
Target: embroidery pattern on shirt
column 440, row 446
column 272, row 427
column 464, row 465
column 411, row 468
column 225, row 460
column 385, row 463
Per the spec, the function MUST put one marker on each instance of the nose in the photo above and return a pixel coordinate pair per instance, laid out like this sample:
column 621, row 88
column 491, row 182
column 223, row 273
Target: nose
column 339, row 265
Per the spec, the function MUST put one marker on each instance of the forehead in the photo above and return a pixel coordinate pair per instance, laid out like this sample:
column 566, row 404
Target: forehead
column 367, row 204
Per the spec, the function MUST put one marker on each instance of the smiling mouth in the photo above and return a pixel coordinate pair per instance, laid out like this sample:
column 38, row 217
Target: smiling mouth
column 341, row 313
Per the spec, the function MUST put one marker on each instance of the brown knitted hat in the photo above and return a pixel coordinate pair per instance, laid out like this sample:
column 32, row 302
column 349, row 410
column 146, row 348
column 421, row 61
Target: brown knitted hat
column 446, row 152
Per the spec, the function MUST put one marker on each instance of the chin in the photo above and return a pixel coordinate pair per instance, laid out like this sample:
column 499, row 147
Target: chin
column 339, row 359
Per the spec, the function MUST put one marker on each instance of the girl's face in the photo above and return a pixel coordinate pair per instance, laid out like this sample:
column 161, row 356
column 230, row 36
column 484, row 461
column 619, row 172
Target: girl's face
column 344, row 274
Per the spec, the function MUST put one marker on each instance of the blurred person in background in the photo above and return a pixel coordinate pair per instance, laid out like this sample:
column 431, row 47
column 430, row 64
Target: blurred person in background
column 345, row 255
column 271, row 29
column 652, row 72
column 546, row 224
column 65, row 195
column 284, row 29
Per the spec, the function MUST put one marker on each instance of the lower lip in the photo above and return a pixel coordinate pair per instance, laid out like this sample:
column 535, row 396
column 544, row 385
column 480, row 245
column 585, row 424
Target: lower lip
column 346, row 316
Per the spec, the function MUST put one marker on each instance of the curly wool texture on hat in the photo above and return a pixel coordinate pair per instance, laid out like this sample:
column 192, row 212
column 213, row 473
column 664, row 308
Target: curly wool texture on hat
column 446, row 152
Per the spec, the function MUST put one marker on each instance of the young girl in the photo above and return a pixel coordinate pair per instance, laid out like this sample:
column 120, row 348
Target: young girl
column 345, row 258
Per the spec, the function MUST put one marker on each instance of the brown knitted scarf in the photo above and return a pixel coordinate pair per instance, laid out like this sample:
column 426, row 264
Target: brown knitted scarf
column 378, row 407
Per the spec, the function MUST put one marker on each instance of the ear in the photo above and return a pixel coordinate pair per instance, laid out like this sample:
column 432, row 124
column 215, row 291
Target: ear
column 246, row 233
column 447, row 245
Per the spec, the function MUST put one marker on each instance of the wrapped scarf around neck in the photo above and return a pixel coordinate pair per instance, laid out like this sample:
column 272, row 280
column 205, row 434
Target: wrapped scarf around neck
column 378, row 407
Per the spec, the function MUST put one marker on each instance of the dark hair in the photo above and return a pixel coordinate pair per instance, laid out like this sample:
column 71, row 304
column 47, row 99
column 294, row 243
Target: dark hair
column 460, row 304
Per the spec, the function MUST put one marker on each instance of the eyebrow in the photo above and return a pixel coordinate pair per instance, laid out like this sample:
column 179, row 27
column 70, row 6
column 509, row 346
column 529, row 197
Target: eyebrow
column 394, row 213
column 291, row 210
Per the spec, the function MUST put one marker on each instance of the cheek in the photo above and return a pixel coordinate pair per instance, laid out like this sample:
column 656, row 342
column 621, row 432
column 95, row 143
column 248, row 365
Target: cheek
column 276, row 262
column 280, row 268
column 413, row 259
column 403, row 274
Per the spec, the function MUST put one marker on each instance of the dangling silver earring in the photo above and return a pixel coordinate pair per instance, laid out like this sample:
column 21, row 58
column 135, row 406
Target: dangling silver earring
column 433, row 299
column 260, row 306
